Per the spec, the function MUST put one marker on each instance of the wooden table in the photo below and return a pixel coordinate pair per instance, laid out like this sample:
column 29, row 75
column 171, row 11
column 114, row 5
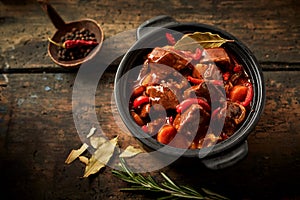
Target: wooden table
column 37, row 129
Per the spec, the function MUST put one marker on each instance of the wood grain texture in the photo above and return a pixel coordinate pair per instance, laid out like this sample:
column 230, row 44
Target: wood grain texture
column 269, row 28
column 41, row 133
column 37, row 127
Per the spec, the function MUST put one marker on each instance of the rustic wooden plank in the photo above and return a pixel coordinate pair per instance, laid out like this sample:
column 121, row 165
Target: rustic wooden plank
column 269, row 28
column 41, row 133
column 4, row 118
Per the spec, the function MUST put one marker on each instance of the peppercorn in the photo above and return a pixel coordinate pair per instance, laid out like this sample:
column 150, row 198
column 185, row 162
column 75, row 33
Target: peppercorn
column 76, row 44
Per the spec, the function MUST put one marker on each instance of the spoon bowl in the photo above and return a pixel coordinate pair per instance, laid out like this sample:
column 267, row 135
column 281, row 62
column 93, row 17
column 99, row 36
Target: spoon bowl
column 63, row 28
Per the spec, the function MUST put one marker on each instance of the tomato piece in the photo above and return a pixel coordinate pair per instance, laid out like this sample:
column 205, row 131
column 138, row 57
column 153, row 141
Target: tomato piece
column 238, row 93
column 166, row 134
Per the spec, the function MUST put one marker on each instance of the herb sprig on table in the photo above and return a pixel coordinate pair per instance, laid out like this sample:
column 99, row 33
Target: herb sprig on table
column 104, row 150
column 174, row 191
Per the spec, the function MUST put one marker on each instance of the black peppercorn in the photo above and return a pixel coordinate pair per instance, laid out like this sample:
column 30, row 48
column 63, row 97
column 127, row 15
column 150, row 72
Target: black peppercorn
column 76, row 52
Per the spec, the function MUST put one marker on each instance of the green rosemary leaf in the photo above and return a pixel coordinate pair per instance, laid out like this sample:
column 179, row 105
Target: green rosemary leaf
column 134, row 189
column 148, row 183
column 169, row 180
column 125, row 168
column 190, row 189
column 149, row 177
column 213, row 194
column 141, row 179
column 170, row 187
column 118, row 173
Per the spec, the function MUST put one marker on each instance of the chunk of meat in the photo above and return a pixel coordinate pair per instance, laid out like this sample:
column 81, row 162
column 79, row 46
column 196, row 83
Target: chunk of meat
column 155, row 125
column 217, row 55
column 207, row 90
column 168, row 57
column 163, row 96
column 199, row 70
column 177, row 87
column 200, row 90
column 212, row 72
column 167, row 77
column 208, row 140
column 235, row 114
column 155, row 74
column 145, row 110
column 191, row 123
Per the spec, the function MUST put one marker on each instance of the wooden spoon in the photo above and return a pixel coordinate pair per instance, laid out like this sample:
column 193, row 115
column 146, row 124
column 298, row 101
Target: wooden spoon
column 63, row 28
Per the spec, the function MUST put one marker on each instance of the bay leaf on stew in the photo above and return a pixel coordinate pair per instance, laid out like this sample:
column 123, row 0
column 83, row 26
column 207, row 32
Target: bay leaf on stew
column 192, row 41
column 100, row 157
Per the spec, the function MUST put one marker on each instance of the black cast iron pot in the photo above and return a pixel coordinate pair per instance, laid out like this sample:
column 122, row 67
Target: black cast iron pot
column 223, row 154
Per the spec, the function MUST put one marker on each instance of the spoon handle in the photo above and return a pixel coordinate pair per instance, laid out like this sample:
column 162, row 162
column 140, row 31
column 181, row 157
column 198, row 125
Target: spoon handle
column 55, row 18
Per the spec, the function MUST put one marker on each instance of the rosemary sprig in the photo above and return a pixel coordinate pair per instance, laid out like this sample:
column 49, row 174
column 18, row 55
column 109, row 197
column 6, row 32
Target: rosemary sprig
column 147, row 183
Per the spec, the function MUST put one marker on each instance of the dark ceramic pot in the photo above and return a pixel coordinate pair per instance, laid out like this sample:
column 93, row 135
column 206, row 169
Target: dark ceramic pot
column 223, row 154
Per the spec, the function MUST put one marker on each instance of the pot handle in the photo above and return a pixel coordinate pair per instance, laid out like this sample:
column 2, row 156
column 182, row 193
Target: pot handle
column 158, row 21
column 228, row 158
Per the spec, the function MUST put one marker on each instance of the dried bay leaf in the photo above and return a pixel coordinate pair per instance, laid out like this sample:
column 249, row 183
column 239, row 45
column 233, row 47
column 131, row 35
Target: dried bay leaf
column 92, row 167
column 92, row 131
column 97, row 141
column 192, row 41
column 84, row 159
column 130, row 151
column 100, row 157
column 76, row 153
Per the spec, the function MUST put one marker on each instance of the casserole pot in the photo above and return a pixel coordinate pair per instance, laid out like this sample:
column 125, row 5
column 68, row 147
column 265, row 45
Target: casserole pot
column 222, row 154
